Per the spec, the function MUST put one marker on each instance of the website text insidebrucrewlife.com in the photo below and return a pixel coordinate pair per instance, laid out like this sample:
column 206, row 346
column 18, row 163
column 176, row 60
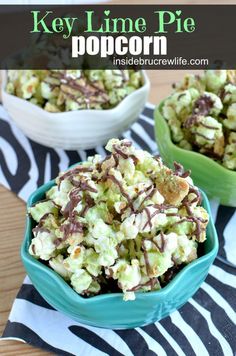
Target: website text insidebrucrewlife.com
column 175, row 61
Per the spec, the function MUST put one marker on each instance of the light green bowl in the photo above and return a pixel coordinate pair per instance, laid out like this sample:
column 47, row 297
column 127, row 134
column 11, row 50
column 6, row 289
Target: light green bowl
column 109, row 310
column 213, row 178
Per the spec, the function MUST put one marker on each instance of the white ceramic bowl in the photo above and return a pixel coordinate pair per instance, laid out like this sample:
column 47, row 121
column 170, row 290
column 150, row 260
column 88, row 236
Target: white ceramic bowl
column 72, row 130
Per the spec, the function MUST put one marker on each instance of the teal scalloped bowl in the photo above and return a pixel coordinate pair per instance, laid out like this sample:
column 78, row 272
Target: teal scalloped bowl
column 109, row 310
column 217, row 181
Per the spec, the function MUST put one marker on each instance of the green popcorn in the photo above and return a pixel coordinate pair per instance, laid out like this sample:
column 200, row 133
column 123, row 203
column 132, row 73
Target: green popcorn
column 207, row 130
column 195, row 94
column 46, row 91
column 118, row 218
column 91, row 262
column 113, row 79
column 59, row 196
column 185, row 145
column 165, row 242
column 42, row 246
column 217, row 105
column 75, row 260
column 229, row 160
column 230, row 122
column 186, row 250
column 81, row 281
column 68, row 90
column 158, row 263
column 56, row 263
column 26, row 84
column 201, row 114
column 176, row 130
column 168, row 111
column 41, row 209
column 191, row 81
column 229, row 94
column 135, row 80
column 106, row 248
column 94, row 288
column 101, row 229
column 182, row 102
column 182, row 227
column 94, row 75
column 215, row 79
column 50, row 107
column 128, row 275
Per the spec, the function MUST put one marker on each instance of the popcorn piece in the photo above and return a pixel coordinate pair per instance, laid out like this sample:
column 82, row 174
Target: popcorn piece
column 230, row 122
column 215, row 79
column 229, row 160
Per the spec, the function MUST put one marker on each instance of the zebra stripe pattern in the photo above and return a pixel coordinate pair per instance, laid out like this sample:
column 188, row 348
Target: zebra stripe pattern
column 206, row 325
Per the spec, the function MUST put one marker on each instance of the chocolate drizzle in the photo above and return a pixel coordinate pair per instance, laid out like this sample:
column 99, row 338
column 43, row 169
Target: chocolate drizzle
column 33, row 249
column 160, row 209
column 205, row 137
column 72, row 227
column 81, row 90
column 73, row 172
column 89, row 203
column 123, row 154
column 179, row 171
column 208, row 126
column 123, row 192
column 191, row 121
column 146, row 259
column 75, row 198
column 203, row 105
column 82, row 185
column 151, row 282
column 120, row 152
column 193, row 219
column 39, row 227
column 149, row 218
column 162, row 247
column 187, row 204
column 149, row 195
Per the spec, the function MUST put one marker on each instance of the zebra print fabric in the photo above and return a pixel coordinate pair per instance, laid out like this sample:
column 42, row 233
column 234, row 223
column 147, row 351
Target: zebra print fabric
column 206, row 325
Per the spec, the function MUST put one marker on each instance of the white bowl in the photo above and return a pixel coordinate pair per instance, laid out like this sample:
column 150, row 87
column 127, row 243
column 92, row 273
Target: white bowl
column 72, row 130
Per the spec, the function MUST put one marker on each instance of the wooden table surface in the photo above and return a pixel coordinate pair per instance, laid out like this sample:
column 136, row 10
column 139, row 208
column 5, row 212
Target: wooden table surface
column 12, row 218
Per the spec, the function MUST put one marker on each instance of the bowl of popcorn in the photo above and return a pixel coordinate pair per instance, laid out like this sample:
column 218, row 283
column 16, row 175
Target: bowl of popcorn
column 196, row 125
column 74, row 109
column 121, row 241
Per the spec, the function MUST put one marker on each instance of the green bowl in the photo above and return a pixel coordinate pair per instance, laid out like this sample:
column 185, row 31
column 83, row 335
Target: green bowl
column 216, row 180
column 109, row 310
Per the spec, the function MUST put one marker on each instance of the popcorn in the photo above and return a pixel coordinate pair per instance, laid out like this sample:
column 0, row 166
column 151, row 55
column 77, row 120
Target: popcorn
column 201, row 114
column 215, row 79
column 126, row 218
column 229, row 159
column 68, row 90
column 230, row 122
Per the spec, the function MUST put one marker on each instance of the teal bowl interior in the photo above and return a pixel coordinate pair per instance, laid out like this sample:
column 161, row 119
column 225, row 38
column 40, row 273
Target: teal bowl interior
column 109, row 310
column 216, row 180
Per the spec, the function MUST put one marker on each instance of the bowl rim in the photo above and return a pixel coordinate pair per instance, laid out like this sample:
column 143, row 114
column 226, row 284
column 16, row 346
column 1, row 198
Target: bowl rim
column 63, row 115
column 197, row 155
column 68, row 290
